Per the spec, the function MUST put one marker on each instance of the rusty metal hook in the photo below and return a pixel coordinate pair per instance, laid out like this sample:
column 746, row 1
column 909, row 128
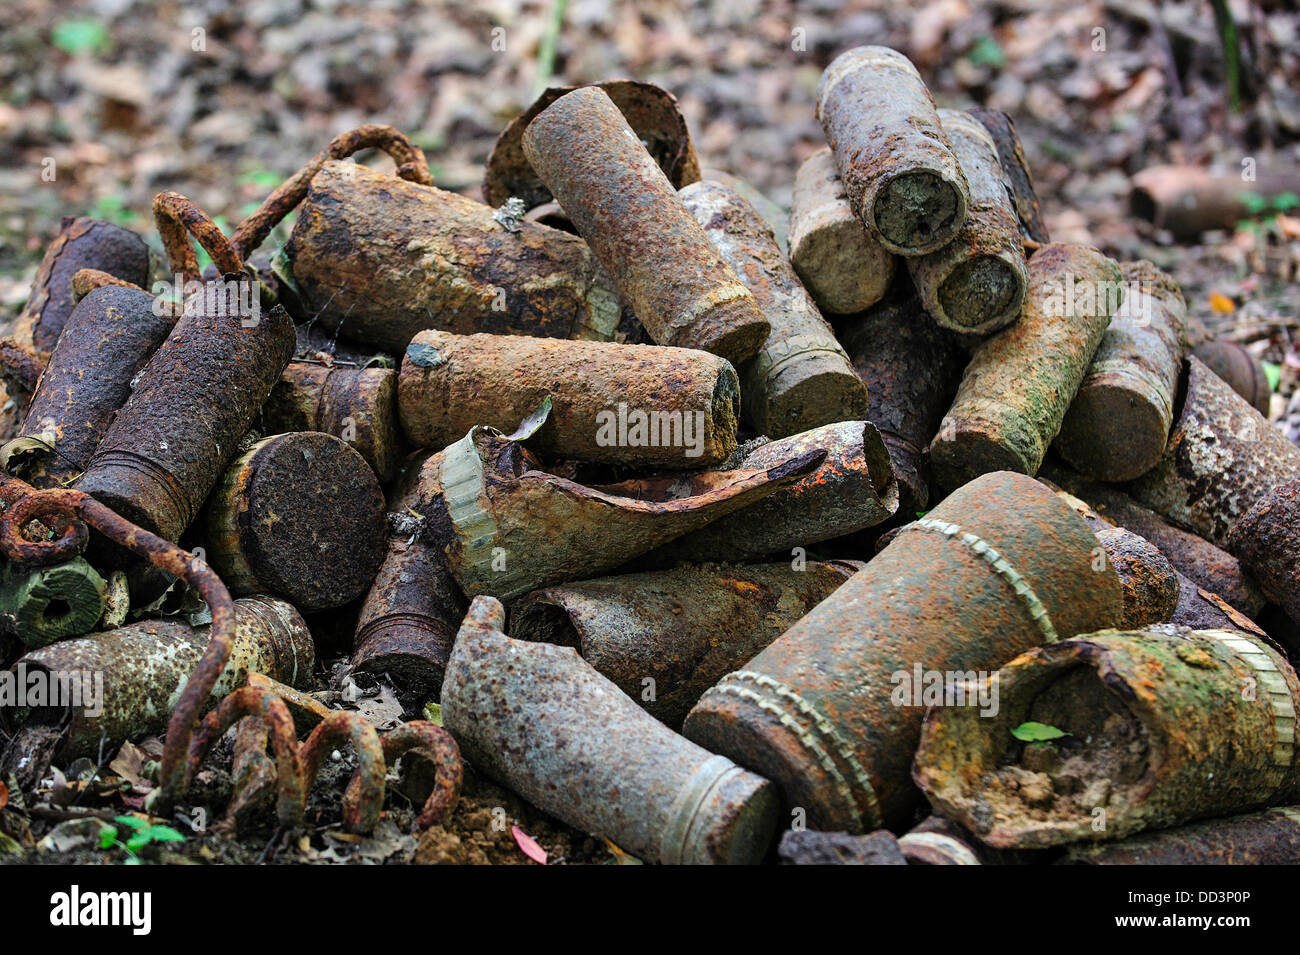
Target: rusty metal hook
column 178, row 218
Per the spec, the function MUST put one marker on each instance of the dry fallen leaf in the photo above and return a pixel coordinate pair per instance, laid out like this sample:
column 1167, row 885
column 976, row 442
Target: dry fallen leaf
column 529, row 845
column 1220, row 304
column 4, row 795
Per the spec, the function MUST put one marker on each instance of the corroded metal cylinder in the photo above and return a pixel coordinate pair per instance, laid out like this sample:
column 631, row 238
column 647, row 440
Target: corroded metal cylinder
column 801, row 378
column 514, row 528
column 1267, row 541
column 1015, row 168
column 851, row 490
column 1162, row 727
column 1119, row 421
column 976, row 283
column 911, row 368
column 169, row 444
column 624, row 206
column 43, row 605
column 538, row 719
column 1020, row 382
column 636, row 405
column 138, row 672
column 82, row 243
column 1223, row 456
column 358, row 405
column 665, row 637
column 377, row 259
column 828, row 711
column 109, row 336
column 1239, row 368
column 298, row 515
column 898, row 168
column 1271, row 837
column 842, row 265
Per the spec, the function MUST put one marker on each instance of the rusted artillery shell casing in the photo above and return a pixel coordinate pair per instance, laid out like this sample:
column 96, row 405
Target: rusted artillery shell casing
column 1189, row 200
column 680, row 629
column 852, row 489
column 301, row 516
column 898, row 168
column 358, row 405
column 1198, row 611
column 377, row 259
column 1210, row 567
column 1271, row 837
column 109, row 336
column 939, row 841
column 621, row 404
column 1165, row 727
column 43, row 605
column 1241, row 370
column 999, row 566
column 1119, row 421
column 774, row 216
column 801, row 378
column 1015, row 168
column 144, row 667
column 976, row 283
column 196, row 397
column 1267, row 541
column 540, row 720
column 1222, row 457
column 514, row 528
column 1020, row 382
column 842, row 265
column 911, row 368
column 82, row 243
column 624, row 206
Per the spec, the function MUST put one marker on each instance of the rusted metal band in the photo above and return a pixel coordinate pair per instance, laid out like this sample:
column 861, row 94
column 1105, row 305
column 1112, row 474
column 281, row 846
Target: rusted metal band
column 131, row 461
column 847, row 65
column 1001, row 566
column 1277, row 696
column 952, row 849
column 811, row 741
column 775, row 355
column 276, row 615
column 679, row 831
column 686, row 319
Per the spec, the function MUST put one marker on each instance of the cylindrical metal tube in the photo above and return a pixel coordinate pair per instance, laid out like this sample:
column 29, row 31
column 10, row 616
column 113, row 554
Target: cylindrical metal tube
column 1161, row 727
column 637, row 405
column 842, row 265
column 976, row 283
column 1239, row 368
column 898, row 169
column 203, row 387
column 1267, row 541
column 801, row 378
column 1223, row 456
column 1271, row 837
column 109, row 336
column 129, row 679
column 851, row 490
column 358, row 405
column 43, row 605
column 1020, row 382
column 624, row 206
column 830, row 712
column 377, row 259
column 301, row 516
column 665, row 637
column 1119, row 421
column 1016, row 170
column 911, row 368
column 538, row 719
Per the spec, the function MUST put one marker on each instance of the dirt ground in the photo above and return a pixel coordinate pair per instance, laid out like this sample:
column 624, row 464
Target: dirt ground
column 222, row 99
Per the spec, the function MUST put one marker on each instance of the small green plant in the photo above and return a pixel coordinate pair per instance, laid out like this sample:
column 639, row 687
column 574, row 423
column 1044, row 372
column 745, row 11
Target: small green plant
column 1032, row 732
column 143, row 833
column 114, row 210
column 81, row 36
column 1265, row 209
column 985, row 51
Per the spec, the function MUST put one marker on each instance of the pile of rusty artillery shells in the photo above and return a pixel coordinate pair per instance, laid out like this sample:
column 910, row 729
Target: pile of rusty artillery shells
column 702, row 520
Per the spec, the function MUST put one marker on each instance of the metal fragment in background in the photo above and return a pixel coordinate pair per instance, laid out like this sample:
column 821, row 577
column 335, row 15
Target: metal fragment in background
column 830, row 712
column 1242, row 371
column 377, row 259
column 893, row 155
column 842, row 265
column 1119, row 421
column 665, row 637
column 1163, row 726
column 539, row 720
column 976, row 283
column 1271, row 837
column 658, row 256
column 1223, row 456
column 851, row 490
column 1015, row 392
column 1267, row 541
column 801, row 378
column 298, row 515
column 633, row 405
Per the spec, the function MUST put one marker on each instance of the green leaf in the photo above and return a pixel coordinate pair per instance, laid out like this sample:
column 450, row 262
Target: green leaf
column 985, row 51
column 1273, row 373
column 165, row 834
column 1254, row 202
column 1032, row 732
column 262, row 178
column 133, row 822
column 137, row 841
column 80, row 36
column 1285, row 200
column 107, row 837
